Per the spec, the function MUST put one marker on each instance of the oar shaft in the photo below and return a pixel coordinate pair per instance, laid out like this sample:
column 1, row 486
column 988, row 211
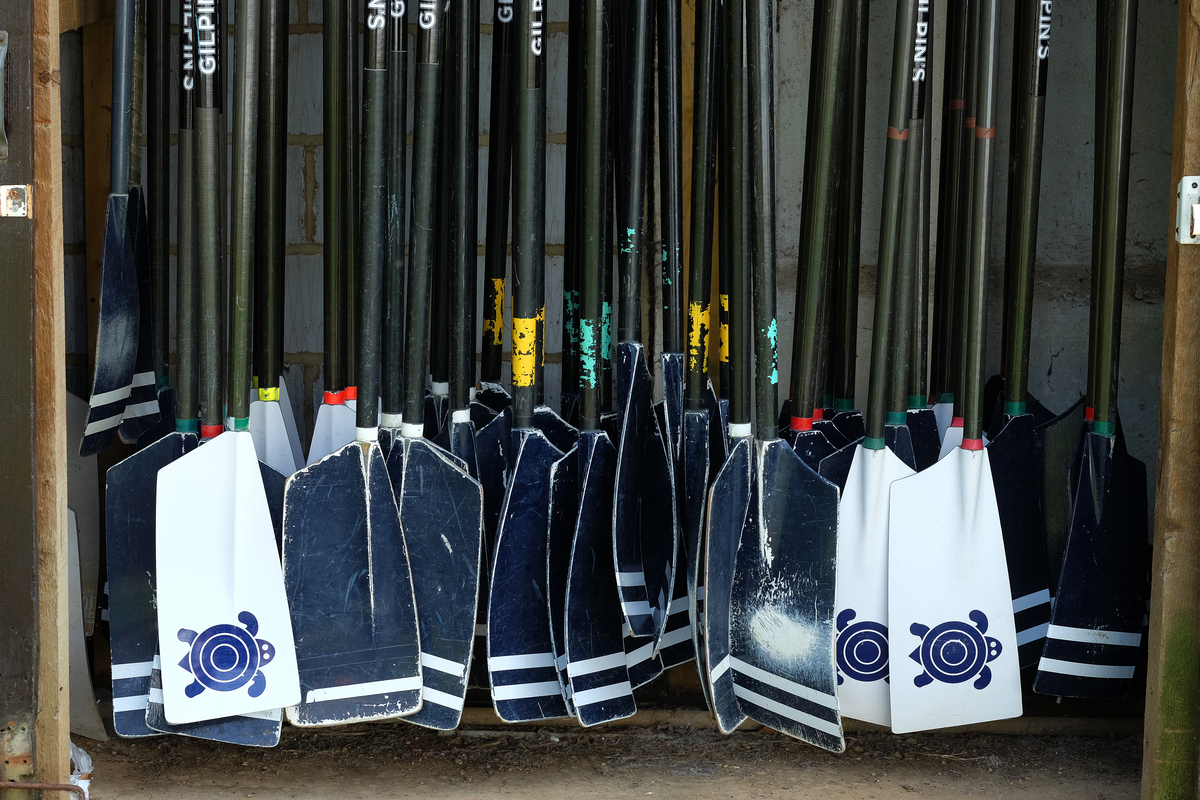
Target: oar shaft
column 350, row 189
column 464, row 179
column 187, row 410
column 333, row 45
column 158, row 108
column 633, row 45
column 959, row 344
column 919, row 346
column 704, row 172
column 670, row 116
column 593, row 158
column 1025, row 191
column 270, row 236
column 394, row 277
column 981, row 207
column 208, row 145
column 741, row 318
column 1104, row 14
column 899, row 111
column 122, row 95
column 495, row 258
column 1118, row 131
column 529, row 204
column 424, row 209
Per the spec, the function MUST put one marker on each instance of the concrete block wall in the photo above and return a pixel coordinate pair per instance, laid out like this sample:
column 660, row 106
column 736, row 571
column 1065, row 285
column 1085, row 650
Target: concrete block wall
column 1058, row 352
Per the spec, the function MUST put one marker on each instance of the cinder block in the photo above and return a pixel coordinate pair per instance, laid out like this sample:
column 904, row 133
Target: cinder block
column 303, row 317
column 304, row 83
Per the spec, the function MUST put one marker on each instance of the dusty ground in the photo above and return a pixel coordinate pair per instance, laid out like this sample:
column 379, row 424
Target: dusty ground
column 399, row 760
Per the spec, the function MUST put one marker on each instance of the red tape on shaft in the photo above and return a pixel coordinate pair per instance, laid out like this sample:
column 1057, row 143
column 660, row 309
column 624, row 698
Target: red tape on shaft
column 210, row 431
column 802, row 423
column 972, row 444
column 1089, row 413
column 335, row 398
column 350, row 393
column 957, row 422
column 818, row 414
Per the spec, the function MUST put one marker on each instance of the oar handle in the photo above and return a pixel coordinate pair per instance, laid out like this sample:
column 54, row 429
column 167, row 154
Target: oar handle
column 421, row 243
column 985, row 142
column 1033, row 37
column 895, row 156
column 592, row 209
column 529, row 210
column 392, row 348
column 495, row 260
column 633, row 46
column 704, row 173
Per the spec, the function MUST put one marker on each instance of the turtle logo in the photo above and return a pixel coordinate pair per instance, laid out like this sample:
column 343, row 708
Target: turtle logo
column 862, row 649
column 226, row 657
column 955, row 652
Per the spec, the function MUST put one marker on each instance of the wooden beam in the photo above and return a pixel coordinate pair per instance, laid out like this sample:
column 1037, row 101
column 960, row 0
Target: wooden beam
column 74, row 14
column 1169, row 766
column 97, row 136
column 53, row 716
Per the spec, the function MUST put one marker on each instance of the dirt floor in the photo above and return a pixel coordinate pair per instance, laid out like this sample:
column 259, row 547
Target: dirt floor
column 387, row 760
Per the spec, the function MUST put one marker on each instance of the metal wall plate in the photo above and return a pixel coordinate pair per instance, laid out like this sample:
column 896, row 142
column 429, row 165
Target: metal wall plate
column 1187, row 210
column 16, row 200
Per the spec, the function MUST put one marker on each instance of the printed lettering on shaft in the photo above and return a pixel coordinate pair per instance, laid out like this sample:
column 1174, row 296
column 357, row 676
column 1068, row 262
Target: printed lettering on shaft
column 428, row 15
column 206, row 36
column 921, row 45
column 376, row 16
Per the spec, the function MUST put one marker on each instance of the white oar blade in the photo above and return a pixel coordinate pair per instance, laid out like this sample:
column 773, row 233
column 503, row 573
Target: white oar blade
column 224, row 629
column 952, row 634
column 332, row 430
column 943, row 413
column 83, row 496
column 861, row 600
column 289, row 423
column 85, row 720
column 272, row 441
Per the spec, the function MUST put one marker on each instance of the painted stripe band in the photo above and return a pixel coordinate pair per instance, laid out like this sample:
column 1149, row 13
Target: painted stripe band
column 643, row 653
column 767, row 704
column 672, row 638
column 156, row 696
column 141, row 409
column 142, row 379
column 779, row 682
column 102, row 424
column 589, row 665
column 528, row 661
column 443, row 699
column 720, row 669
column 443, row 665
column 105, row 398
column 631, row 578
column 590, row 697
column 1084, row 670
column 637, row 608
column 135, row 702
column 1030, row 600
column 1089, row 636
column 135, row 669
column 363, row 689
column 524, row 691
column 1032, row 634
column 679, row 604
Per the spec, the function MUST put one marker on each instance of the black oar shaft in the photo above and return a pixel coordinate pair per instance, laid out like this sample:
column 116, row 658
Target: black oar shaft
column 158, row 109
column 529, row 209
column 424, row 209
column 245, row 160
column 633, row 47
column 1024, row 192
column 849, row 232
column 208, row 145
column 1104, row 15
column 593, row 158
column 573, row 237
column 960, row 346
column 122, row 96
column 333, row 45
column 918, row 383
column 187, row 410
column 899, row 110
column 1118, row 131
column 464, row 180
column 350, row 190
column 374, row 209
column 500, row 125
column 704, row 170
column 670, row 115
column 270, row 236
column 981, row 207
column 741, row 317
column 395, row 276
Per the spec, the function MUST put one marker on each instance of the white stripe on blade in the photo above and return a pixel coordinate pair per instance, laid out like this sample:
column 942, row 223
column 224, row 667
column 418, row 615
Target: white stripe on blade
column 136, row 669
column 1032, row 634
column 135, row 702
column 141, row 409
column 791, row 687
column 1084, row 670
column 363, row 689
column 767, row 704
column 528, row 661
column 631, row 579
column 443, row 665
column 1031, row 600
column 522, row 691
column 442, row 699
column 720, row 669
column 589, row 665
column 675, row 637
column 104, row 398
column 1088, row 636
column 143, row 379
column 593, row 696
column 102, row 425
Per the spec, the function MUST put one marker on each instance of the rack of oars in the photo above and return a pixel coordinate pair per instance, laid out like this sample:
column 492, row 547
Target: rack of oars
column 443, row 531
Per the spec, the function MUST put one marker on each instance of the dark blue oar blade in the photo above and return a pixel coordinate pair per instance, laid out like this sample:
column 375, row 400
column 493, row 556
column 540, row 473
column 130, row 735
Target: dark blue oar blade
column 141, row 411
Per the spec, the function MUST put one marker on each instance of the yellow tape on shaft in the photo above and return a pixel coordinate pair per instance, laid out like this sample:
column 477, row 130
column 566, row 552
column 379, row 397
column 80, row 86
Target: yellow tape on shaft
column 525, row 350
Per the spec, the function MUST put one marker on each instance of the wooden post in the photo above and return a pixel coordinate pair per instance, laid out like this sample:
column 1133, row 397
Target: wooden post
column 1169, row 766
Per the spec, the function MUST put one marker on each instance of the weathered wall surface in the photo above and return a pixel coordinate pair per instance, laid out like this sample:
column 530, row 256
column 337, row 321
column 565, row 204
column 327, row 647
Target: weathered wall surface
column 1058, row 353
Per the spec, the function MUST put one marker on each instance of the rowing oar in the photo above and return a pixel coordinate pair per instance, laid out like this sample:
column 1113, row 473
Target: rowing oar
column 949, row 605
column 130, row 537
column 781, row 628
column 1092, row 644
column 272, row 421
column 645, row 535
column 818, row 211
column 224, row 629
column 396, row 270
column 525, row 681
column 950, row 188
column 344, row 556
column 158, row 179
column 1013, row 452
column 437, row 400
column 862, row 586
column 85, row 713
column 593, row 650
column 335, row 422
column 572, row 245
column 700, row 405
column 441, row 504
column 118, row 315
column 729, row 498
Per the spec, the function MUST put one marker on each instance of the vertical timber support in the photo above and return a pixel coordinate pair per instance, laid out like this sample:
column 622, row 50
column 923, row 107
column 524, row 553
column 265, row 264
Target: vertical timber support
column 1169, row 766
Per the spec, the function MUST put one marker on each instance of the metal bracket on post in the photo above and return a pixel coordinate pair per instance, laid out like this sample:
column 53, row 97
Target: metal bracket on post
column 1187, row 210
column 16, row 201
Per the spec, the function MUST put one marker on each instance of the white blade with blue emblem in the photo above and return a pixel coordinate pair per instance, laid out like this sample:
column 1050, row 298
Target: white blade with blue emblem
column 224, row 630
column 952, row 636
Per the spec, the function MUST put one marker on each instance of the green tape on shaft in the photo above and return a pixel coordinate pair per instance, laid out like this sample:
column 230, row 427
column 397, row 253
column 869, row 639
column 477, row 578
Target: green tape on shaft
column 916, row 401
column 843, row 404
column 241, row 424
column 187, row 426
column 1013, row 409
column 874, row 444
column 897, row 418
column 1103, row 428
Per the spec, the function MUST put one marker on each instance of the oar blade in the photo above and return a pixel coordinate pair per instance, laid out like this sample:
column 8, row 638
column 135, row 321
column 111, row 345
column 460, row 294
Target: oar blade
column 350, row 592
column 1013, row 459
column 596, row 660
column 728, row 509
column 272, row 440
column 923, row 430
column 83, row 499
column 85, row 719
column 696, row 467
column 116, row 332
column 811, row 446
column 1093, row 642
column 441, row 509
column 129, row 509
column 861, row 604
column 521, row 666
column 782, row 602
column 564, row 509
column 333, row 429
column 951, row 627
column 224, row 626
column 141, row 411
column 1057, row 444
column 262, row 729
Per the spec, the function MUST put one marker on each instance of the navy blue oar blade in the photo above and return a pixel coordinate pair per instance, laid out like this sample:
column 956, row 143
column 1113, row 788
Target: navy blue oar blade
column 141, row 410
